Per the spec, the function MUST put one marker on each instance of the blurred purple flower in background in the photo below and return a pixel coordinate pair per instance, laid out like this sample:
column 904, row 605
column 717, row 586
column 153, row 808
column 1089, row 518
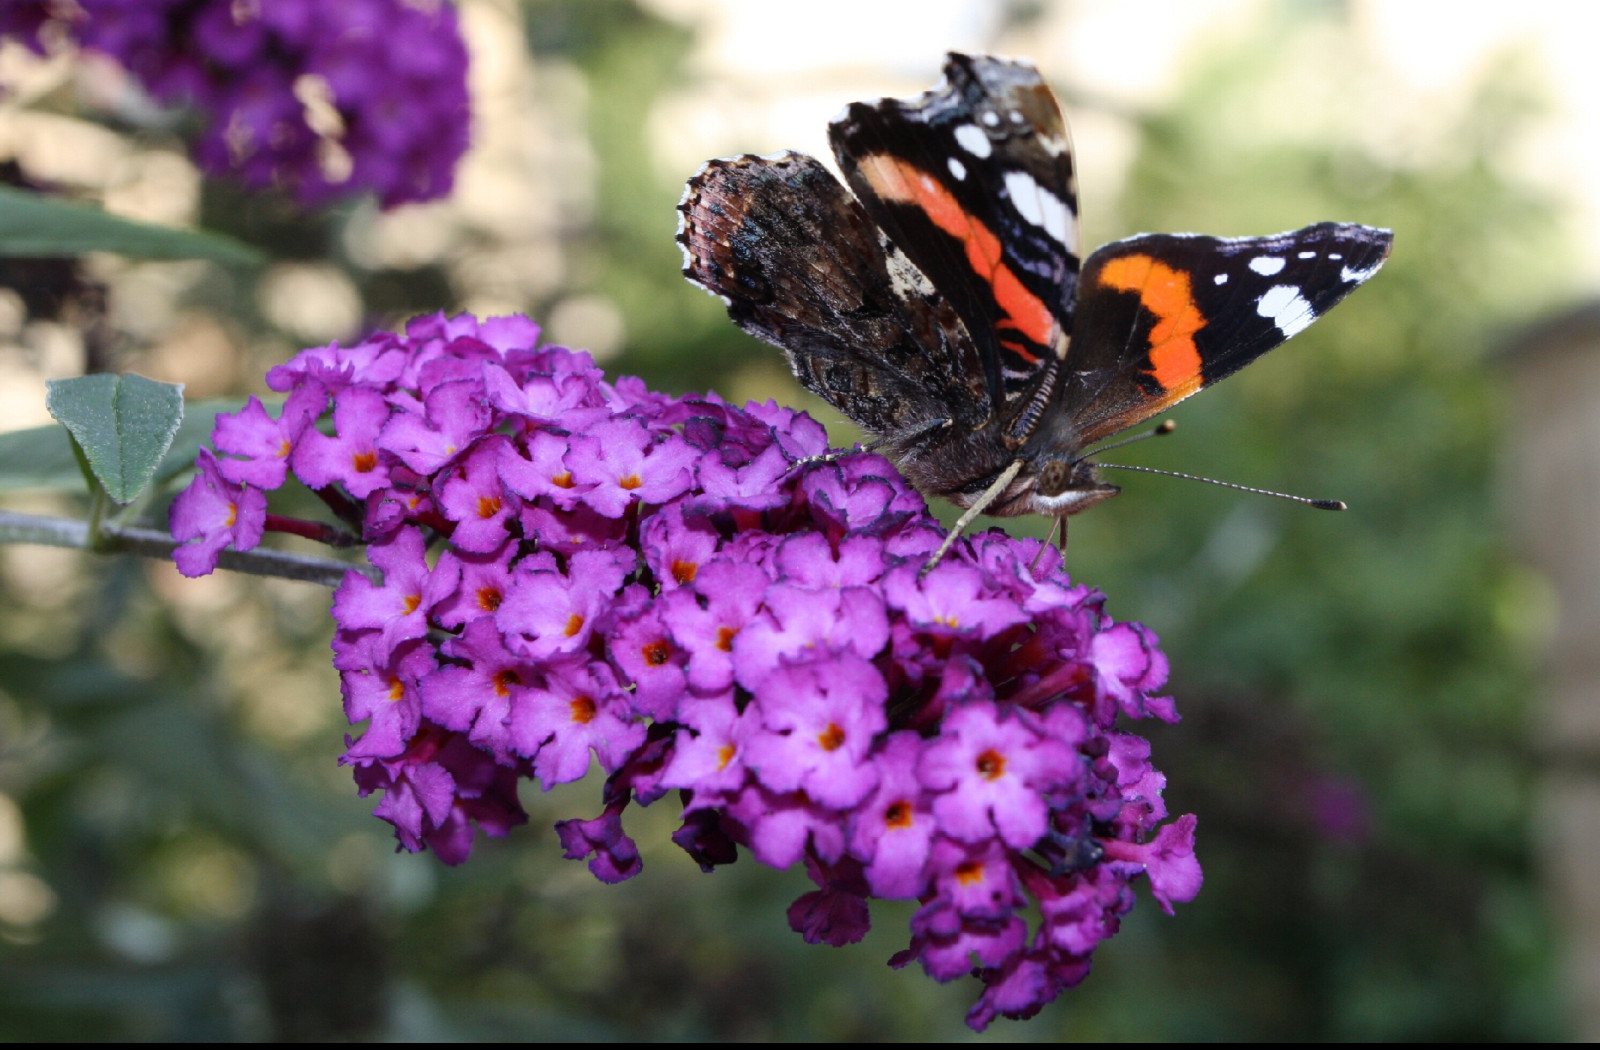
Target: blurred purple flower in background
column 317, row 99
column 670, row 588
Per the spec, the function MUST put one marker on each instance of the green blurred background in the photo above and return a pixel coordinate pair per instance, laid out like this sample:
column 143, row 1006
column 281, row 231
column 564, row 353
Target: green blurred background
column 180, row 856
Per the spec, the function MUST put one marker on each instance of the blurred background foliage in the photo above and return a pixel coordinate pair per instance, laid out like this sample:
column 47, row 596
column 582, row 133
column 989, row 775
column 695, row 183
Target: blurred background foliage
column 180, row 857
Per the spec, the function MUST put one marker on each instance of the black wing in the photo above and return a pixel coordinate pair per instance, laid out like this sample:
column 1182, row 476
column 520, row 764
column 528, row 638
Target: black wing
column 974, row 182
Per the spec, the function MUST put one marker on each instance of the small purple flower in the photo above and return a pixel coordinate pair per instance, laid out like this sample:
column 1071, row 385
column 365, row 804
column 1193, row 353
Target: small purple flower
column 381, row 682
column 454, row 414
column 548, row 613
column 263, row 444
column 542, row 471
column 895, row 829
column 1168, row 859
column 708, row 755
column 622, row 462
column 216, row 513
column 399, row 606
column 351, row 458
column 727, row 595
column 819, row 721
column 991, row 774
column 474, row 499
column 836, row 913
column 579, row 708
column 615, row 858
column 476, row 693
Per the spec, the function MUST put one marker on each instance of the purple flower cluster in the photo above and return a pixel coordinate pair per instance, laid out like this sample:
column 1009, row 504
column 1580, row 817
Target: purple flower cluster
column 578, row 571
column 389, row 77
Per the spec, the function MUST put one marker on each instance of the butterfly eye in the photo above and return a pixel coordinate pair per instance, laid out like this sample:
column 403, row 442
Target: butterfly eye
column 1055, row 478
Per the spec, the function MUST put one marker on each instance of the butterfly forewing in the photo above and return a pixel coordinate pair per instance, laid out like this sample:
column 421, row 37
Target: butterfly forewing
column 1161, row 316
column 974, row 181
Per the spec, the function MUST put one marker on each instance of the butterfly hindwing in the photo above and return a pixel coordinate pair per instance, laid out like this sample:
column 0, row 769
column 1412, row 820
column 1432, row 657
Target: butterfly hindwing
column 1160, row 316
column 974, row 182
column 800, row 265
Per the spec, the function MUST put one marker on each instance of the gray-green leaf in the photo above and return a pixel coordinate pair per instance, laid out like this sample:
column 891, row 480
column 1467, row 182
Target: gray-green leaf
column 34, row 225
column 40, row 458
column 123, row 425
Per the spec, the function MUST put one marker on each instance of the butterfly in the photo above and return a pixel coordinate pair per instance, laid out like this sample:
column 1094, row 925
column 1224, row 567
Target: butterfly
column 943, row 305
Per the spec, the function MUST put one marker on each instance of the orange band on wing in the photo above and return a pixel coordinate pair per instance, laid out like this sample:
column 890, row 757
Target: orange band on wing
column 895, row 180
column 1165, row 292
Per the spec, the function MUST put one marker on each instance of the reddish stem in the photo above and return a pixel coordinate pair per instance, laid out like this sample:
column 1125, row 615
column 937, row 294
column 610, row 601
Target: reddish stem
column 311, row 530
column 1064, row 678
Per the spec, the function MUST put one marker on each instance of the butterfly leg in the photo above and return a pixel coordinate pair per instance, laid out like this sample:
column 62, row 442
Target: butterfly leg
column 1057, row 523
column 979, row 505
column 907, row 437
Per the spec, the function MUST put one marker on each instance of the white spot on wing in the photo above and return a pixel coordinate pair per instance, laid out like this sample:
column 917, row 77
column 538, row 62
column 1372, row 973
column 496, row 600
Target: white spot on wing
column 1335, row 256
column 1287, row 308
column 908, row 281
column 1349, row 276
column 1306, row 255
column 1039, row 206
column 971, row 138
column 958, row 169
column 990, row 117
column 1266, row 265
column 1220, row 278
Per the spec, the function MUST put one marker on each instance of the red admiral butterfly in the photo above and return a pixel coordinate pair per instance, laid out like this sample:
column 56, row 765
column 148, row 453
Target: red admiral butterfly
column 944, row 308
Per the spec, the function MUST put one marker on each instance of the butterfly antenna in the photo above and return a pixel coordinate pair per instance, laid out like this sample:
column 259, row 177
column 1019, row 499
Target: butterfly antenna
column 1166, row 426
column 1320, row 504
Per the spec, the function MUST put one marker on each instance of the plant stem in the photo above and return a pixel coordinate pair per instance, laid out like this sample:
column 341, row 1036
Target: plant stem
column 153, row 543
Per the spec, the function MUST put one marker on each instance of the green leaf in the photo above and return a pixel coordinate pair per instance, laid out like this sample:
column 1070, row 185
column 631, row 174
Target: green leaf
column 35, row 225
column 122, row 424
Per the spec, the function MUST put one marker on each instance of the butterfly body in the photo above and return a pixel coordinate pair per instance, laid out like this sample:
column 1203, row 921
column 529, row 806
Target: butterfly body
column 944, row 305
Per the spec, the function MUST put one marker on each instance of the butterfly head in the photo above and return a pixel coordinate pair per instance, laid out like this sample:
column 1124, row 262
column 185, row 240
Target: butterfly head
column 1066, row 486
